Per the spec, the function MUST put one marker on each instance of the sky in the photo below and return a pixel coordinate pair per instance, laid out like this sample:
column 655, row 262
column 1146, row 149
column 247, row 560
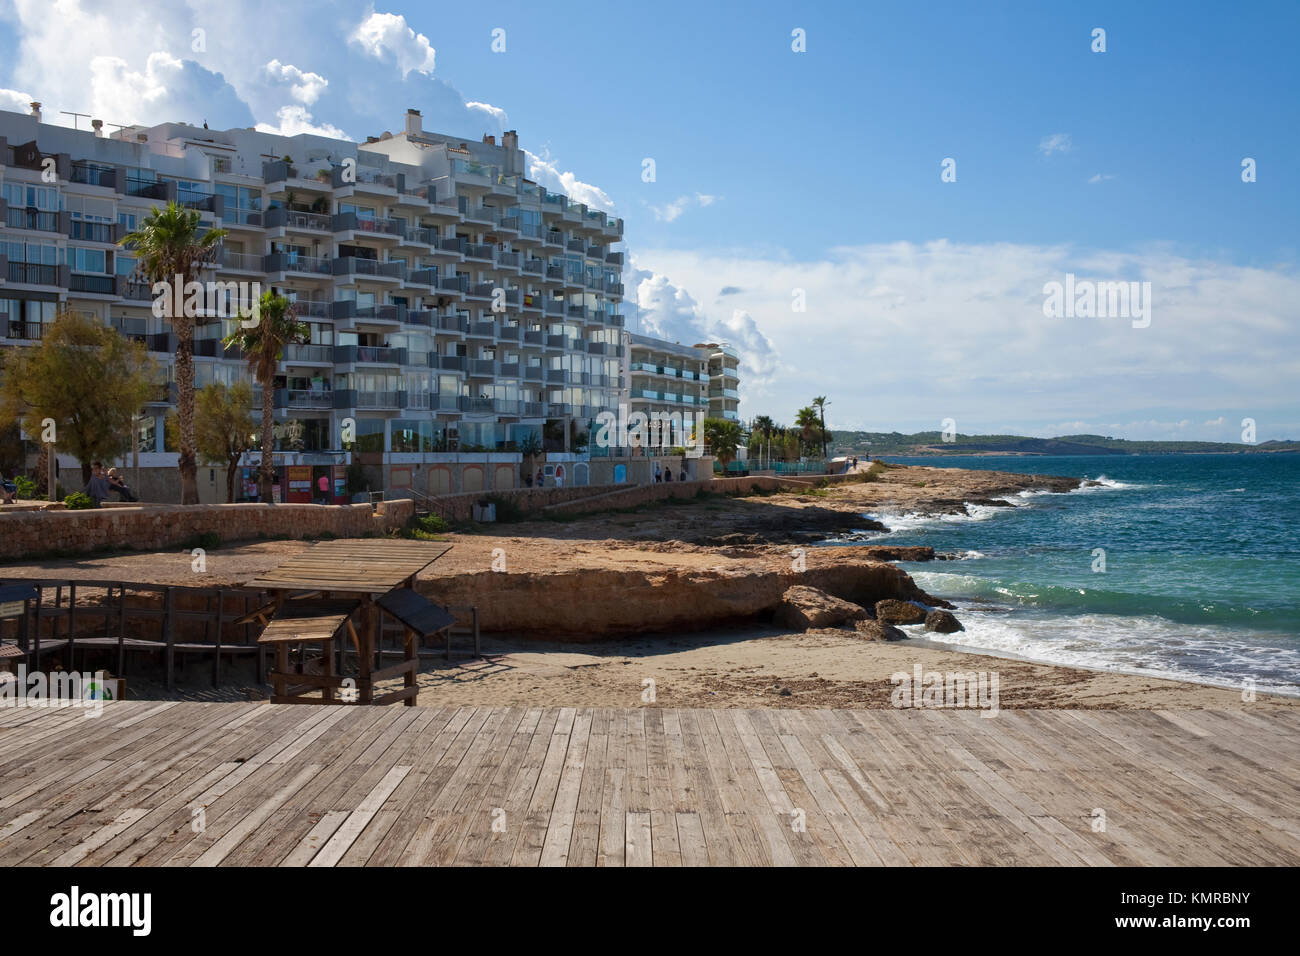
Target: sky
column 869, row 200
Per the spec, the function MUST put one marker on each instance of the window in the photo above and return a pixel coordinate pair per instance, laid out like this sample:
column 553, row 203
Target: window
column 87, row 260
column 22, row 195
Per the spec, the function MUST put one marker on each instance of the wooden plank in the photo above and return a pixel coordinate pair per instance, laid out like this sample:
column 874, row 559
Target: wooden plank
column 343, row 838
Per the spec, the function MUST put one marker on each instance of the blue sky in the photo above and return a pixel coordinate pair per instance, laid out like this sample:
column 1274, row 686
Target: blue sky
column 819, row 171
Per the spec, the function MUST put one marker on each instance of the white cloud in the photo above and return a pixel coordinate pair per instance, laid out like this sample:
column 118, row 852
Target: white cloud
column 295, row 120
column 1056, row 143
column 904, row 334
column 497, row 114
column 15, row 102
column 306, row 88
column 673, row 210
column 668, row 311
column 384, row 35
column 542, row 169
column 1099, row 178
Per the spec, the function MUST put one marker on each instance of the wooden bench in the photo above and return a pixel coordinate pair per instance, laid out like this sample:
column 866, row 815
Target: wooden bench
column 309, row 623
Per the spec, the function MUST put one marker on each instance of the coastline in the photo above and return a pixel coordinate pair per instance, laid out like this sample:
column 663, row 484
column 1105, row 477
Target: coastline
column 683, row 594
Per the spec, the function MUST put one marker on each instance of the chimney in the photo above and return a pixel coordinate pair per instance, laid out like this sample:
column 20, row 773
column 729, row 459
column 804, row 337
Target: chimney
column 414, row 125
column 36, row 111
column 97, row 126
column 510, row 139
column 489, row 139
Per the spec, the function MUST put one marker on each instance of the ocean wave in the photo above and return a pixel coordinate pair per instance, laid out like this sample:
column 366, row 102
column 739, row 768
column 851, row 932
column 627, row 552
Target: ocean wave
column 1136, row 644
column 1075, row 600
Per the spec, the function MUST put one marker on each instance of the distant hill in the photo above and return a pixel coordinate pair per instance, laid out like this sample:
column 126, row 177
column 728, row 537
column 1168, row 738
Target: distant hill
column 932, row 443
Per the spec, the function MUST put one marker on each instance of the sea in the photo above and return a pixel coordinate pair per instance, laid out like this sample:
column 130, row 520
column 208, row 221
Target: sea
column 1174, row 566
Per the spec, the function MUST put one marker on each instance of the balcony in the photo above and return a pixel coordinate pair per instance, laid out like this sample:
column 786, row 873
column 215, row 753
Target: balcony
column 309, row 354
column 534, row 373
column 34, row 273
column 377, row 400
column 351, row 222
column 483, row 214
column 458, row 283
column 93, row 284
column 106, row 232
column 533, row 410
column 575, row 245
column 534, row 267
column 483, row 368
column 508, row 260
column 484, row 330
column 557, row 341
column 450, row 363
column 554, row 238
column 555, row 273
column 476, row 406
column 18, row 329
column 313, row 308
column 281, row 218
column 455, row 244
column 596, row 252
column 38, row 220
column 509, row 370
column 94, row 174
column 426, row 277
column 368, row 355
column 421, row 317
column 159, row 190
column 453, row 323
column 480, row 251
column 372, row 268
column 614, row 288
column 534, row 337
column 303, row 399
column 241, row 261
column 614, row 258
column 304, row 265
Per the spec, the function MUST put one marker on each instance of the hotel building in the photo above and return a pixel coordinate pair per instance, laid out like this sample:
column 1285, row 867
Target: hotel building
column 457, row 310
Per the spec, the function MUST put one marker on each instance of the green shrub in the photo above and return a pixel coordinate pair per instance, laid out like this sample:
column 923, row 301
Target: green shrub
column 26, row 486
column 207, row 540
column 78, row 501
column 429, row 524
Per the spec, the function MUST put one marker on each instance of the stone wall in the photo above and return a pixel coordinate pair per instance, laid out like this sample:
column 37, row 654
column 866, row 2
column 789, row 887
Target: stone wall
column 613, row 497
column 157, row 527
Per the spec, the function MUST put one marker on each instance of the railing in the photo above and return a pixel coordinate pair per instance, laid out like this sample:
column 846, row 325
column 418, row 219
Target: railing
column 508, row 259
column 452, row 363
column 313, row 308
column 477, row 250
column 458, row 283
column 309, row 353
column 304, row 398
column 146, row 188
column 379, row 399
column 575, row 245
column 33, row 273
column 294, row 219
column 453, row 244
column 91, row 174
column 93, row 284
column 453, row 323
column 291, row 262
column 553, row 238
column 18, row 329
column 23, row 218
column 93, row 231
column 534, row 266
column 245, row 261
column 555, row 273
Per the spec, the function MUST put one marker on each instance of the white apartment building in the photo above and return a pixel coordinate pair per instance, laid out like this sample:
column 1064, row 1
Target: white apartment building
column 455, row 306
column 667, row 382
column 724, row 380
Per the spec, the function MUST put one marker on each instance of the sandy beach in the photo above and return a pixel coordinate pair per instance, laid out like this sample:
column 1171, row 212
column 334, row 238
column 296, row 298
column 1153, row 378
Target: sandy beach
column 713, row 543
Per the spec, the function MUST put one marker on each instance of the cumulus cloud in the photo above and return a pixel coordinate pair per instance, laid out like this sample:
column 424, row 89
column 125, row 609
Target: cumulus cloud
column 15, row 102
column 304, row 87
column 295, row 120
column 543, row 169
column 907, row 334
column 673, row 210
column 386, row 36
column 1099, row 178
column 167, row 89
column 496, row 113
column 1056, row 143
column 667, row 311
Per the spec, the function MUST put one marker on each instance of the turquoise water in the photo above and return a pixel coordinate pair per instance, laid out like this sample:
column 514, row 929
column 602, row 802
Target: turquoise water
column 1201, row 577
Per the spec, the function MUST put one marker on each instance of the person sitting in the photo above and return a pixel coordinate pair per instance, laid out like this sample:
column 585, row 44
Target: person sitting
column 8, row 490
column 97, row 487
column 668, row 474
column 117, row 483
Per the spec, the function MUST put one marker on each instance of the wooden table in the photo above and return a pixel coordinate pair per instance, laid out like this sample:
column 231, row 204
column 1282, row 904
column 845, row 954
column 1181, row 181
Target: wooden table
column 359, row 573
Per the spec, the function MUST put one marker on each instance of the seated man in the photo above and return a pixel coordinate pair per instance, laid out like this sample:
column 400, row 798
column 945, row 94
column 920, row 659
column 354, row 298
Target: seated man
column 8, row 490
column 117, row 483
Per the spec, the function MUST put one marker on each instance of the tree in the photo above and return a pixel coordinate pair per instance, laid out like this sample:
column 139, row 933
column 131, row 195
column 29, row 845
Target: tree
column 262, row 339
column 223, row 427
column 723, row 436
column 87, row 379
column 820, row 404
column 762, row 428
column 809, row 425
column 166, row 245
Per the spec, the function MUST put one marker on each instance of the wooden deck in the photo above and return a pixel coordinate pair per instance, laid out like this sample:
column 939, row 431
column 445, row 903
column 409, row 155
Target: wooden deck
column 150, row 783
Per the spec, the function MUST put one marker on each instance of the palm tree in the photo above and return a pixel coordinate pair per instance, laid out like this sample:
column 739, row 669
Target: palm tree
column 724, row 437
column 168, row 245
column 820, row 404
column 262, row 339
column 808, row 422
